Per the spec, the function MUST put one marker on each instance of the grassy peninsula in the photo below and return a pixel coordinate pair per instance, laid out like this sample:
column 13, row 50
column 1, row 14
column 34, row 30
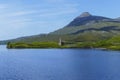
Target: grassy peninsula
column 33, row 45
column 112, row 44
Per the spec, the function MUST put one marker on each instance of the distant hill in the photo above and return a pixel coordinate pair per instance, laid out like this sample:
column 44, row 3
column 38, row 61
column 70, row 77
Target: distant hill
column 86, row 27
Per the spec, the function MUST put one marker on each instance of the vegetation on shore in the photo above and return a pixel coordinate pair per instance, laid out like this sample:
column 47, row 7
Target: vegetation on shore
column 110, row 44
column 33, row 45
column 113, row 44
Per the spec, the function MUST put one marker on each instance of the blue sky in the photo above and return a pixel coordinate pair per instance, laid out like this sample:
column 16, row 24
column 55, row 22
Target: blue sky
column 29, row 17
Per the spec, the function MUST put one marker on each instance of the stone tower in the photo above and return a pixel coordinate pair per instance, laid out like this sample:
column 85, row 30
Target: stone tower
column 60, row 42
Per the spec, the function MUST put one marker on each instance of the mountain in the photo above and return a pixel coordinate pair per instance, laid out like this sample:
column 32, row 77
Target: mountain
column 86, row 27
column 89, row 22
column 86, row 18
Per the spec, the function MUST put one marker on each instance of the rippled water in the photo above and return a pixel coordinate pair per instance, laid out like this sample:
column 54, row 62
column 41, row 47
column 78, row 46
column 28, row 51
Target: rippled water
column 59, row 64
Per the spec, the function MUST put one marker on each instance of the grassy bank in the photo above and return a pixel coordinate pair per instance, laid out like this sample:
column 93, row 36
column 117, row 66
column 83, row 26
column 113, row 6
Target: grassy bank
column 33, row 45
column 100, row 44
column 112, row 44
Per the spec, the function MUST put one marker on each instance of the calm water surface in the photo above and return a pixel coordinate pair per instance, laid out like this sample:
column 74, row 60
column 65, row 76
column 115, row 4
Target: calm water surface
column 59, row 64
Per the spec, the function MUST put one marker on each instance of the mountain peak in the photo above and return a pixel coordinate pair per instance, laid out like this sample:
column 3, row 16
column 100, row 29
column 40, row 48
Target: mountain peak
column 85, row 14
column 87, row 18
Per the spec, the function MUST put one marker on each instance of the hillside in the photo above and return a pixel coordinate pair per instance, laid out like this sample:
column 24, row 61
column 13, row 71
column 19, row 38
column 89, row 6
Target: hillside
column 86, row 27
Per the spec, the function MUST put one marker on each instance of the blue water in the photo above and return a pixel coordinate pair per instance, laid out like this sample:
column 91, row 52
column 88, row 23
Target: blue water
column 59, row 64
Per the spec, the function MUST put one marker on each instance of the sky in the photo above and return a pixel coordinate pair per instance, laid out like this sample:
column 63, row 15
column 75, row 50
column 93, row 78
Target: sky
column 31, row 17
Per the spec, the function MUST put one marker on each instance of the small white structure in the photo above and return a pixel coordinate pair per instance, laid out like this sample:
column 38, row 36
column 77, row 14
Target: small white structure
column 60, row 42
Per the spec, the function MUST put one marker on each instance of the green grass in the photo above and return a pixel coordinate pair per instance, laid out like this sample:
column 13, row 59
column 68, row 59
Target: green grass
column 33, row 45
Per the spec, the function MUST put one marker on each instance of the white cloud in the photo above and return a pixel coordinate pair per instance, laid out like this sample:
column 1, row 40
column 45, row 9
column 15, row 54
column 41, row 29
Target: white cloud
column 22, row 13
column 58, row 13
column 16, row 14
